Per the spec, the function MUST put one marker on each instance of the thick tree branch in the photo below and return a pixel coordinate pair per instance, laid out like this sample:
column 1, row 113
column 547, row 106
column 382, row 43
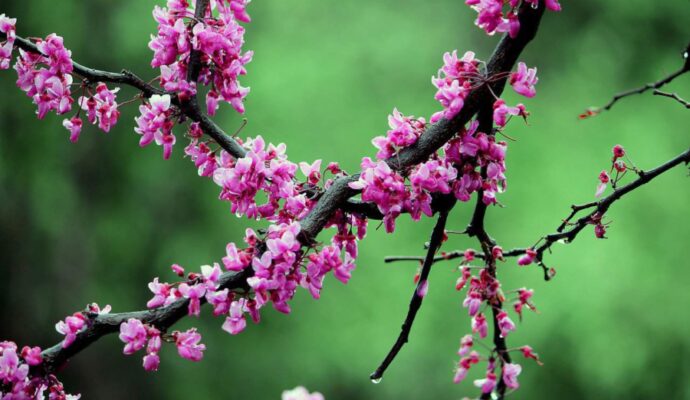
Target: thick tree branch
column 418, row 295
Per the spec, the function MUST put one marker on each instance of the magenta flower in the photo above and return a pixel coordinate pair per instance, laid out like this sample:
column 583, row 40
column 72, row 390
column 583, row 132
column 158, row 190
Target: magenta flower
column 472, row 302
column 480, row 326
column 188, row 345
column 70, row 327
column 527, row 258
column 604, row 179
column 73, row 125
column 154, row 123
column 524, row 79
column 501, row 112
column 194, row 293
column 32, row 355
column 510, row 374
column 505, row 324
column 487, row 384
column 134, row 334
column 312, row 172
column 235, row 322
column 151, row 362
column 465, row 345
column 160, row 291
column 101, row 107
column 7, row 26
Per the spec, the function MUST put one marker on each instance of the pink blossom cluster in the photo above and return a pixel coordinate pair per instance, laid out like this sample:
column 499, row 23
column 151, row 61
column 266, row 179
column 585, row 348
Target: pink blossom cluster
column 485, row 290
column 263, row 169
column 7, row 27
column 491, row 17
column 155, row 123
column 15, row 380
column 218, row 39
column 301, row 393
column 404, row 132
column 456, row 79
column 48, row 87
column 137, row 335
column 470, row 162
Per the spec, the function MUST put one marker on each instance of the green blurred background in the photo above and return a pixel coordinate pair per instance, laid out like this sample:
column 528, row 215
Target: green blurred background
column 97, row 220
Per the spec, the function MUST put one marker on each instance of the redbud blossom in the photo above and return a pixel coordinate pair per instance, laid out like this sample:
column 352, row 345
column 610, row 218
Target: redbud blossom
column 524, row 79
column 510, row 374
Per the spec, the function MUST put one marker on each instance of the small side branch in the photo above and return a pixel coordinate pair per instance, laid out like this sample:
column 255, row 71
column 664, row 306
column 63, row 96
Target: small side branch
column 650, row 86
column 417, row 296
column 673, row 96
column 599, row 208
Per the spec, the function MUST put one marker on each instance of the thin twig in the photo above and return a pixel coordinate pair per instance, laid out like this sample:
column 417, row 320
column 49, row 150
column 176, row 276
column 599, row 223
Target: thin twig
column 417, row 297
column 674, row 96
column 653, row 85
column 602, row 206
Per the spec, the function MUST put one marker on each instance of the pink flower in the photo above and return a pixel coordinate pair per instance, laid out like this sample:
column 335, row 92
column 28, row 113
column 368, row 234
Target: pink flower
column 133, row 333
column 312, row 172
column 603, row 181
column 73, row 125
column 188, row 345
column 154, row 123
column 235, row 322
column 527, row 258
column 524, row 79
column 238, row 8
column 501, row 111
column 403, row 133
column 505, row 324
column 70, row 327
column 423, row 288
column 160, row 291
column 301, row 393
column 101, row 107
column 618, row 152
column 528, row 352
column 497, row 253
column 600, row 231
column 7, row 26
column 472, row 302
column 510, row 374
column 235, row 261
column 49, row 88
column 465, row 345
column 32, row 355
column 383, row 186
column 151, row 362
column 487, row 384
column 177, row 269
column 480, row 326
column 194, row 293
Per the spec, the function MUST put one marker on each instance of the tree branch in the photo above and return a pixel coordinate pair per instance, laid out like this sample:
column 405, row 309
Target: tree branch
column 601, row 207
column 674, row 96
column 653, row 85
column 417, row 297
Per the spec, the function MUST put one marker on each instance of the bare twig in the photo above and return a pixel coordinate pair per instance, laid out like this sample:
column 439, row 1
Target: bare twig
column 417, row 296
column 653, row 85
column 674, row 96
